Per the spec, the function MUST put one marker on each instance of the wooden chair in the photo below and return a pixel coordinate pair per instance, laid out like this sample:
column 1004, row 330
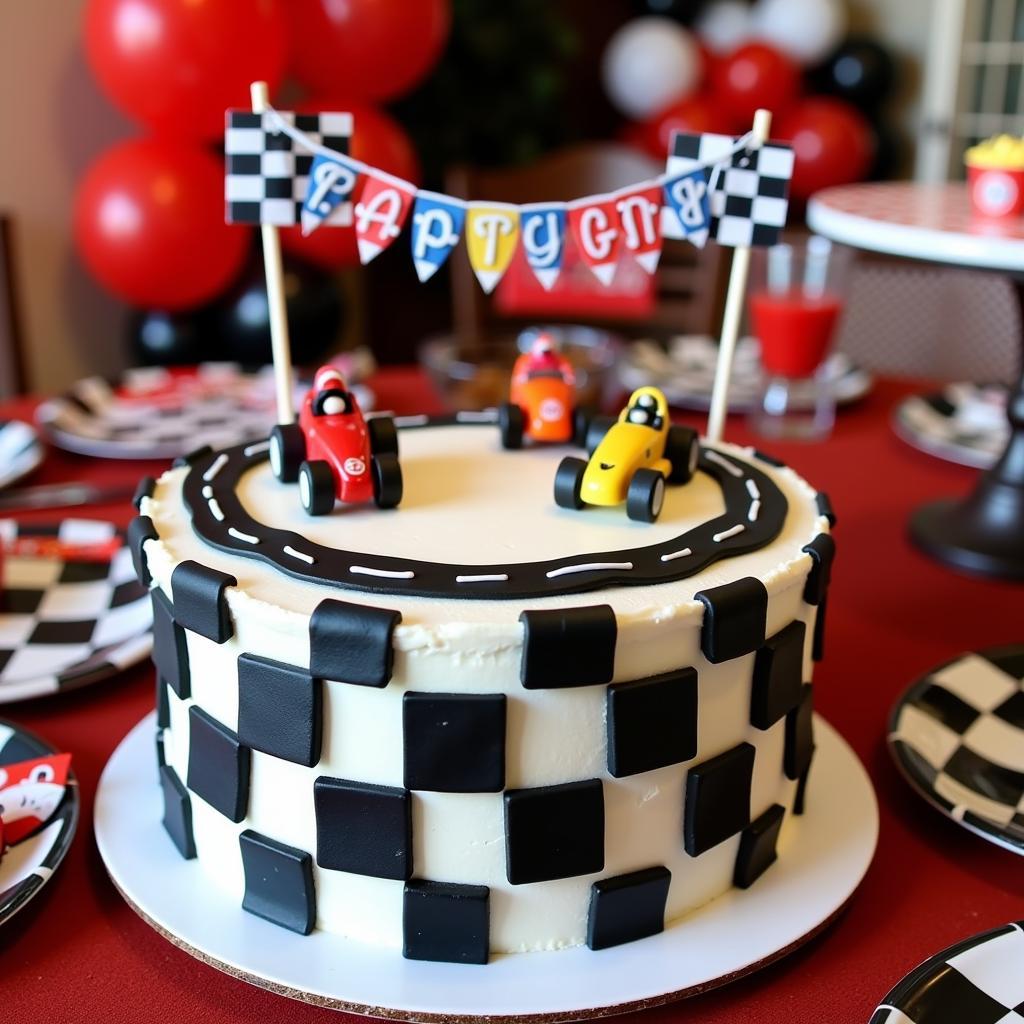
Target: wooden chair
column 688, row 283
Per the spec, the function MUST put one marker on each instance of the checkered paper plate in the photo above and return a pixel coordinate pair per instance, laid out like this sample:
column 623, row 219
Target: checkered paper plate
column 68, row 623
column 977, row 981
column 962, row 423
column 27, row 867
column 21, row 451
column 686, row 373
column 957, row 735
column 154, row 413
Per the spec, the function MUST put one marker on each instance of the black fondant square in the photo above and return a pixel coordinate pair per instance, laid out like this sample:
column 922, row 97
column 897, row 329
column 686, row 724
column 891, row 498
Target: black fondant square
column 1012, row 710
column 140, row 529
column 565, row 647
column 144, row 489
column 652, row 722
column 627, row 907
column 351, row 643
column 163, row 707
column 818, row 643
column 200, row 603
column 363, row 828
column 170, row 650
column 778, row 676
column 735, row 617
column 554, row 831
column 278, row 882
column 454, row 742
column 799, row 735
column 218, row 765
column 823, row 552
column 84, row 572
column 279, row 709
column 757, row 847
column 177, row 818
column 445, row 922
column 800, row 798
column 717, row 799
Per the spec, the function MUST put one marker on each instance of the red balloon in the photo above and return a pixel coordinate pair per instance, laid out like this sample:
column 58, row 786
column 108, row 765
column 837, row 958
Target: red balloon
column 149, row 225
column 378, row 140
column 700, row 113
column 373, row 49
column 176, row 64
column 832, row 141
column 755, row 76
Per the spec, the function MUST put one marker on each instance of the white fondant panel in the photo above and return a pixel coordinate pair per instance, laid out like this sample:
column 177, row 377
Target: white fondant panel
column 281, row 801
column 459, row 837
column 213, row 668
column 362, row 734
column 698, row 880
column 217, row 848
column 369, row 909
column 516, row 910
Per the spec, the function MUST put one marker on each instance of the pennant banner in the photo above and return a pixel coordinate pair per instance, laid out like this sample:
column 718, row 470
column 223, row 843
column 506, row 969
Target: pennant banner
column 436, row 226
column 686, row 199
column 639, row 212
column 594, row 224
column 492, row 231
column 330, row 182
column 748, row 188
column 380, row 215
column 285, row 168
column 542, row 229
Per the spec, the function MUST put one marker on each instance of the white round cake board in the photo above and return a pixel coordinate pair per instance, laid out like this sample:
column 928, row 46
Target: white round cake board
column 823, row 856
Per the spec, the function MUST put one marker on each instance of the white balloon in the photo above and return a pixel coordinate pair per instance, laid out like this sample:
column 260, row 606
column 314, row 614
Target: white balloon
column 806, row 30
column 649, row 63
column 725, row 25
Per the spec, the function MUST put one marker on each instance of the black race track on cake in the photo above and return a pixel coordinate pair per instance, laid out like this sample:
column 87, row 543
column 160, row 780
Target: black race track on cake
column 746, row 489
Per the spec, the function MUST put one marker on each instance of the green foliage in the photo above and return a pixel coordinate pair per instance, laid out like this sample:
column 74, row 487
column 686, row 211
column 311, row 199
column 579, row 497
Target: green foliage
column 496, row 96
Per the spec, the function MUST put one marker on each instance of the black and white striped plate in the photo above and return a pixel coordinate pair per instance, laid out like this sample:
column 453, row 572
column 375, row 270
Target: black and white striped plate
column 66, row 624
column 21, row 450
column 686, row 372
column 962, row 423
column 977, row 981
column 27, row 866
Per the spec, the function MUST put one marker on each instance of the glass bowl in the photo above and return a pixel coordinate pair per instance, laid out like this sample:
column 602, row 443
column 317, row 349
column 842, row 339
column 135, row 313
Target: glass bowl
column 477, row 376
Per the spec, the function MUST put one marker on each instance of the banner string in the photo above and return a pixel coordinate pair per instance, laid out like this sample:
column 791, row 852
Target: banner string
column 745, row 142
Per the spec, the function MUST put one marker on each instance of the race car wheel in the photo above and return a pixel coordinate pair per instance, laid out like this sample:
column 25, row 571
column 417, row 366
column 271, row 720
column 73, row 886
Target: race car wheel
column 511, row 425
column 287, row 450
column 682, row 449
column 316, row 487
column 596, row 429
column 387, row 480
column 581, row 417
column 383, row 435
column 645, row 496
column 569, row 483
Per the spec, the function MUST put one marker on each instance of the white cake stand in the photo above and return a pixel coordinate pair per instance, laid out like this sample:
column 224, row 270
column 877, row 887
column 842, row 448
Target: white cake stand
column 823, row 857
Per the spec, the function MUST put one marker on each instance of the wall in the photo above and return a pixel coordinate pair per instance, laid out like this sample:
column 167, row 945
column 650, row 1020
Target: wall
column 55, row 122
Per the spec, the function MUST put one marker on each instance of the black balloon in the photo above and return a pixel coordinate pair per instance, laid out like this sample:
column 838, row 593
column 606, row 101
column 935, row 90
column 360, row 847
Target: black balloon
column 861, row 71
column 166, row 339
column 888, row 152
column 240, row 321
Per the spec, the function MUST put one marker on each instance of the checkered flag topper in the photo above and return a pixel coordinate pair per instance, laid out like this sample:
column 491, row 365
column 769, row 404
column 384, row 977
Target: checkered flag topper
column 267, row 172
column 750, row 196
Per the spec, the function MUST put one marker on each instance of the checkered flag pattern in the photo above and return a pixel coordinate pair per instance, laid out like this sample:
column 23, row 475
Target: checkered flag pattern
column 65, row 622
column 964, row 423
column 749, row 194
column 960, row 733
column 978, row 981
column 267, row 172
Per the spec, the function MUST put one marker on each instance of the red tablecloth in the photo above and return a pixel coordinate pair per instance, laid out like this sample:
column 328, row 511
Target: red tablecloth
column 79, row 953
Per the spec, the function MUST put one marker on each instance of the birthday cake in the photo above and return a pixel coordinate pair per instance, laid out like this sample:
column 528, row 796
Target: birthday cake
column 480, row 722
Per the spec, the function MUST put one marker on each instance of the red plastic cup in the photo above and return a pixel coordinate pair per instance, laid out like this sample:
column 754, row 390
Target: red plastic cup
column 996, row 192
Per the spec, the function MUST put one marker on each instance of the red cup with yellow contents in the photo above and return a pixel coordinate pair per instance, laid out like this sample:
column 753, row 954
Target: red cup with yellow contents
column 995, row 177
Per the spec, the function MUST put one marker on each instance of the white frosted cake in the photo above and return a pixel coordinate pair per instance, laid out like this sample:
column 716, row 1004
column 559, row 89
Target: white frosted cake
column 481, row 723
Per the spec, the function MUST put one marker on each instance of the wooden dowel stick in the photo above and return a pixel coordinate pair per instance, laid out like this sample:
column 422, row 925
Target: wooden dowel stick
column 738, row 274
column 280, row 344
